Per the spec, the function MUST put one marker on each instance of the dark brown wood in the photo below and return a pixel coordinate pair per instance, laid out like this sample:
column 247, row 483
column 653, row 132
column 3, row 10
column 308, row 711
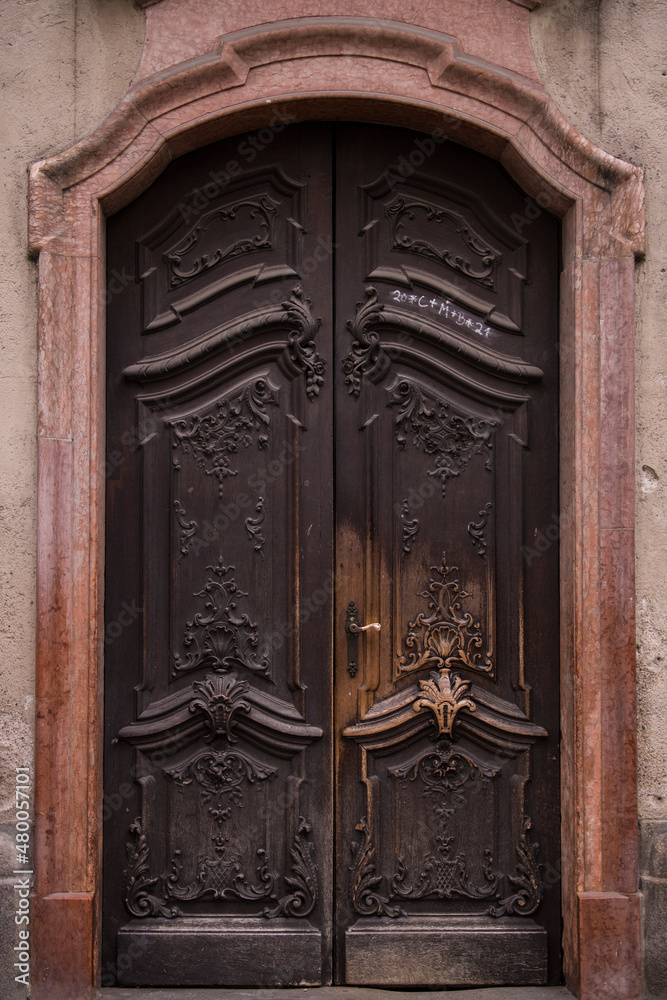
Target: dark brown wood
column 446, row 471
column 226, row 711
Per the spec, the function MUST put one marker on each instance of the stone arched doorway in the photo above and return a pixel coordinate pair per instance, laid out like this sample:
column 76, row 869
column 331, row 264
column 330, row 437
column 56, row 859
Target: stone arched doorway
column 428, row 82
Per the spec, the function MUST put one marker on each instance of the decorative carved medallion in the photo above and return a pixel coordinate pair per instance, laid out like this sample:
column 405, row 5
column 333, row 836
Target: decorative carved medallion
column 220, row 877
column 364, row 881
column 303, row 880
column 232, row 424
column 257, row 214
column 188, row 529
column 408, row 220
column 446, row 774
column 476, row 531
column 410, row 528
column 444, row 638
column 253, row 525
column 138, row 883
column 451, row 438
column 220, row 774
column 221, row 638
column 445, row 877
column 529, row 889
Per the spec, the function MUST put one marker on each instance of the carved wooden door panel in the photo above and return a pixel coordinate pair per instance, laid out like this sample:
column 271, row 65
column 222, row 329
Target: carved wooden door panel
column 446, row 431
column 274, row 314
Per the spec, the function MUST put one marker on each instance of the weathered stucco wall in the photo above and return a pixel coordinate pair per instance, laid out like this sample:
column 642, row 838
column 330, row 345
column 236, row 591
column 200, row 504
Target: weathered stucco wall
column 64, row 65
column 605, row 64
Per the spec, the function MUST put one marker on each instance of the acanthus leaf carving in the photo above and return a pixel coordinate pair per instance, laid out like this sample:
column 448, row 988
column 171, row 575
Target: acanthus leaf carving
column 367, row 356
column 446, row 637
column 450, row 438
column 301, row 341
column 529, row 889
column 220, row 697
column 402, row 212
column 222, row 639
column 444, row 694
column 138, row 884
column 303, row 879
column 260, row 211
column 365, row 900
column 234, row 423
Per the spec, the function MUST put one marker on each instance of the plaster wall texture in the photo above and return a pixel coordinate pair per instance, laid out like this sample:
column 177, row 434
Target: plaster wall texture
column 604, row 63
column 65, row 64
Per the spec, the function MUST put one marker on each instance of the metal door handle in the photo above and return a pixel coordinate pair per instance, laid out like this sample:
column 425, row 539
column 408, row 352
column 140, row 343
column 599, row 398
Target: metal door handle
column 352, row 630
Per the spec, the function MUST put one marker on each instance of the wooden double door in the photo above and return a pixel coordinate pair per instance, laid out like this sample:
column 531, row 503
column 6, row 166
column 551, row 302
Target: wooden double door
column 331, row 647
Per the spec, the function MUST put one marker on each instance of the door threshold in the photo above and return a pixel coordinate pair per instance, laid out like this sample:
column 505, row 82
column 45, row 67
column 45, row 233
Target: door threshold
column 338, row 993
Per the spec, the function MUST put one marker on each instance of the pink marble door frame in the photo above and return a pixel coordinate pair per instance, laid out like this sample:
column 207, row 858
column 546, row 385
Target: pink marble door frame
column 385, row 72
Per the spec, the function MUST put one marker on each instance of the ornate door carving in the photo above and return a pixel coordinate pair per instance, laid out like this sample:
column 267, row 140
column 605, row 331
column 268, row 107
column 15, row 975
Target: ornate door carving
column 332, row 403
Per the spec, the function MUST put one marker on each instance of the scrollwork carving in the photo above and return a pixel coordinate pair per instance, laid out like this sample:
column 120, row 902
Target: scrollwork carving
column 232, row 424
column 529, row 889
column 253, row 526
column 446, row 773
column 364, row 881
column 188, row 529
column 138, row 898
column 220, row 774
column 410, row 527
column 451, row 439
column 367, row 355
column 261, row 212
column 445, row 877
column 222, row 639
column 303, row 879
column 301, row 344
column 446, row 637
column 220, row 877
column 476, row 530
column 401, row 212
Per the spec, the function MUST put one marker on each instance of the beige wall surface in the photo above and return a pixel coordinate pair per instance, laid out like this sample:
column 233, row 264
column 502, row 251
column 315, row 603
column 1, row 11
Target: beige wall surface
column 604, row 62
column 64, row 65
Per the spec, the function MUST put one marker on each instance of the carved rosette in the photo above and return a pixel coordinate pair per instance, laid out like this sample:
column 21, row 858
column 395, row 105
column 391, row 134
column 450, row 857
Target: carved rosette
column 450, row 439
column 222, row 639
column 445, row 638
column 408, row 218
